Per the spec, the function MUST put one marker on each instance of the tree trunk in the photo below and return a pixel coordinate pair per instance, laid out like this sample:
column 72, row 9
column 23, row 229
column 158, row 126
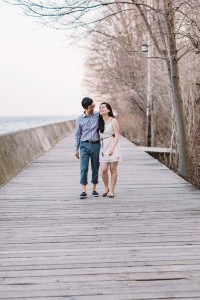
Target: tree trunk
column 184, row 165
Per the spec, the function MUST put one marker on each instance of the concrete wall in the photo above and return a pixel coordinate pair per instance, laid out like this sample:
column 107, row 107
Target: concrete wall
column 20, row 149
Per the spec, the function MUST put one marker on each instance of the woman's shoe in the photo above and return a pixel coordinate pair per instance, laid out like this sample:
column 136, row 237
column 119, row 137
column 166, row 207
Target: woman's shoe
column 111, row 196
column 105, row 194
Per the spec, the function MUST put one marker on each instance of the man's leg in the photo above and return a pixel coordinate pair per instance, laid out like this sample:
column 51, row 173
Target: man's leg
column 95, row 164
column 84, row 162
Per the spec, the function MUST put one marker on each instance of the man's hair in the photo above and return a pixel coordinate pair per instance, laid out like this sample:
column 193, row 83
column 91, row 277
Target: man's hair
column 86, row 102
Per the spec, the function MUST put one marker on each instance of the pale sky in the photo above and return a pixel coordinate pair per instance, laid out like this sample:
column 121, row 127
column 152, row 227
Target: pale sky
column 39, row 73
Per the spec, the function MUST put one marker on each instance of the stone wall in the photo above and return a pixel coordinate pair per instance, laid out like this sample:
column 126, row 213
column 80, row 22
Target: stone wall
column 20, row 149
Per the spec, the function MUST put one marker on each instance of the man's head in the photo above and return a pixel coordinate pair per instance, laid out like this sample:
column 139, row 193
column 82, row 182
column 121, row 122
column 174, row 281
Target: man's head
column 88, row 105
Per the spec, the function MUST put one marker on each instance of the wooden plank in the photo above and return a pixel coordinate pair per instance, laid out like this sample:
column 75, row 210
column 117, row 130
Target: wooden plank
column 143, row 244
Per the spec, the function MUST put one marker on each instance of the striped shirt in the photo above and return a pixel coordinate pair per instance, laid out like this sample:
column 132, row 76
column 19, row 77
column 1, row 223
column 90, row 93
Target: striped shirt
column 86, row 129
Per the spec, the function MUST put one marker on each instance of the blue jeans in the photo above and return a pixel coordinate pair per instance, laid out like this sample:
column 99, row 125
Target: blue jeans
column 89, row 151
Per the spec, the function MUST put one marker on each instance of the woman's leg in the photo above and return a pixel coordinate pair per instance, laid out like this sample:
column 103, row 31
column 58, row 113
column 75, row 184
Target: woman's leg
column 113, row 170
column 104, row 173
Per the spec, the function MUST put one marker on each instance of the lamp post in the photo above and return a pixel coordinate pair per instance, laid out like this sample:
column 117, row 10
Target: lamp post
column 149, row 49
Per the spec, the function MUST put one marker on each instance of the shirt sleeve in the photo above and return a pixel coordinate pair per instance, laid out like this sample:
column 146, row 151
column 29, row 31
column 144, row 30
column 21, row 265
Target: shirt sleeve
column 78, row 133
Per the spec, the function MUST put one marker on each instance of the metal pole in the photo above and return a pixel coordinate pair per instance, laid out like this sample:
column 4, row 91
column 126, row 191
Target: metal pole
column 149, row 80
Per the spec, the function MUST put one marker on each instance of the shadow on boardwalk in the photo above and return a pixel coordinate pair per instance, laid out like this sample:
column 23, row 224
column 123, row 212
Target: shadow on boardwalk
column 143, row 244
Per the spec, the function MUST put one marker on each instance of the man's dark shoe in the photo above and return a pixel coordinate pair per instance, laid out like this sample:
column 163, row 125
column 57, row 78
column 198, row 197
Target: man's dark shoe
column 83, row 195
column 95, row 194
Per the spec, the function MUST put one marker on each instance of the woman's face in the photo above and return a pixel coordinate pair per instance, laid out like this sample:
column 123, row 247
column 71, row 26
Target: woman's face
column 103, row 110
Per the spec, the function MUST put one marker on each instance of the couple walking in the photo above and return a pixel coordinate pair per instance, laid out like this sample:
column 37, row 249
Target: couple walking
column 97, row 139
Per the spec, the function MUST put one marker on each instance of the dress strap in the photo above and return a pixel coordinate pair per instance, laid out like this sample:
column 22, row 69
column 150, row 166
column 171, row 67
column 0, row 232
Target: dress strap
column 109, row 121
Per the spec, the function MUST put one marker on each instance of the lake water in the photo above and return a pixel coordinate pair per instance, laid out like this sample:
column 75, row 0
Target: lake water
column 16, row 123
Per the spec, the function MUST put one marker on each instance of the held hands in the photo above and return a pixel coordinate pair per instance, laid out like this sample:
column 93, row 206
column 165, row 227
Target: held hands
column 77, row 154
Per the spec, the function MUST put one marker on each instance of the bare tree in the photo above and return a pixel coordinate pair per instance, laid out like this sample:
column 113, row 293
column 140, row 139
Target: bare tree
column 116, row 71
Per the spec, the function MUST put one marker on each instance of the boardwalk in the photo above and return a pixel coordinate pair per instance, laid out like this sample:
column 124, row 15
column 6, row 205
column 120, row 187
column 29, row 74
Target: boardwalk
column 143, row 244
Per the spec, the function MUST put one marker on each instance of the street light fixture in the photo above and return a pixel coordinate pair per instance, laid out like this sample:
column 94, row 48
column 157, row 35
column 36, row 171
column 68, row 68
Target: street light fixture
column 144, row 48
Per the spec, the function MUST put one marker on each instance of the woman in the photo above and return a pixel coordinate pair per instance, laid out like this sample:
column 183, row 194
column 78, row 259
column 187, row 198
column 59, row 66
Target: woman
column 110, row 152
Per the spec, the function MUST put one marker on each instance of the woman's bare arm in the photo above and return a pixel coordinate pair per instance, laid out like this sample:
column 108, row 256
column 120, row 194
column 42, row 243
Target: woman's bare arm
column 116, row 132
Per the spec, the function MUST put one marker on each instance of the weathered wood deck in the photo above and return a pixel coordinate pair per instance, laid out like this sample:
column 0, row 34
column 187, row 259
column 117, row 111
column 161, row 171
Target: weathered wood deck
column 143, row 244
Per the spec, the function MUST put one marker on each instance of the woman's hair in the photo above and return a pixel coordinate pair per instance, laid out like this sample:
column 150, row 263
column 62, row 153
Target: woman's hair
column 101, row 125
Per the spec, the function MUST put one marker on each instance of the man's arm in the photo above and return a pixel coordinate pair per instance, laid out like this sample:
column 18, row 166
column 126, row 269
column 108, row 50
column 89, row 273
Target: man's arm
column 78, row 133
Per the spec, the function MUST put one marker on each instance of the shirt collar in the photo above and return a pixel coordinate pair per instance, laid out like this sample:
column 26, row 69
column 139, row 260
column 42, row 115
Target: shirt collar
column 84, row 115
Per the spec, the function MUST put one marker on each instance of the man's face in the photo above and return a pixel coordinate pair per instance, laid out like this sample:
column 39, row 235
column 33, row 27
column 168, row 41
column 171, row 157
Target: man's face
column 90, row 108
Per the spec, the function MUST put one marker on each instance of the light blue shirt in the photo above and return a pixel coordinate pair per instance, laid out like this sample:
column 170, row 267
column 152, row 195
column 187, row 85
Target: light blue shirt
column 86, row 129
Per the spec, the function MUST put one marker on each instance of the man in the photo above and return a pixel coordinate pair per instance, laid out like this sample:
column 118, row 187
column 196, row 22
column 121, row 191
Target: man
column 88, row 142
